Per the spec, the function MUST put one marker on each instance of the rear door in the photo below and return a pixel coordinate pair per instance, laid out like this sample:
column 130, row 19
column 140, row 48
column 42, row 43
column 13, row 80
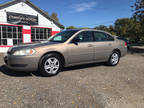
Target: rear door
column 83, row 51
column 103, row 45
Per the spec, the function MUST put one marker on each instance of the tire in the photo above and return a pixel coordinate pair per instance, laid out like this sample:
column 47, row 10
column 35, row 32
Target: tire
column 50, row 64
column 114, row 58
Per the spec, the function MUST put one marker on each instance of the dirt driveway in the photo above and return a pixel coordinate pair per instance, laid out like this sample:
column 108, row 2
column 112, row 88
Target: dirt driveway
column 85, row 86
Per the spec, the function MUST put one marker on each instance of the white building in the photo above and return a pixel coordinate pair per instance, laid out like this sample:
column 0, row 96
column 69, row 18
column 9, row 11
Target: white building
column 23, row 22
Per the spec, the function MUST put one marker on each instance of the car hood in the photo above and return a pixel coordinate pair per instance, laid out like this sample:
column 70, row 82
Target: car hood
column 30, row 45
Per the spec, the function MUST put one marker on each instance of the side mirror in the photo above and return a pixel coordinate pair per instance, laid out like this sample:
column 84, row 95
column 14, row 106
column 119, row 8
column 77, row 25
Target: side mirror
column 75, row 41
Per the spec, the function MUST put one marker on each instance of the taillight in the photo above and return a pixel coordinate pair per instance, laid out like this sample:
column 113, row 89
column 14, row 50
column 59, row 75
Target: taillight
column 125, row 44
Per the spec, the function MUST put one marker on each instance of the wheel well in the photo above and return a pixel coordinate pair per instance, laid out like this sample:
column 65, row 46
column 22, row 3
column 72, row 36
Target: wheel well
column 55, row 53
column 117, row 50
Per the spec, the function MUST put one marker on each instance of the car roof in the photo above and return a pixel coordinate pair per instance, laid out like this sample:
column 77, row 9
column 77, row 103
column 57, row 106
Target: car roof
column 88, row 30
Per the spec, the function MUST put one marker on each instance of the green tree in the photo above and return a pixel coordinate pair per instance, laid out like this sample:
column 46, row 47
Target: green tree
column 71, row 27
column 109, row 29
column 128, row 28
column 139, row 15
column 46, row 12
column 102, row 27
column 139, row 10
column 54, row 16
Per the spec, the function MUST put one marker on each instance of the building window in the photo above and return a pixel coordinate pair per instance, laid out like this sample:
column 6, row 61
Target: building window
column 12, row 33
column 40, row 34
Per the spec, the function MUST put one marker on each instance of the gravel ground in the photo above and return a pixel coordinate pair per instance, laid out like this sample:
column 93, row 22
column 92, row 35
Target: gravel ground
column 85, row 86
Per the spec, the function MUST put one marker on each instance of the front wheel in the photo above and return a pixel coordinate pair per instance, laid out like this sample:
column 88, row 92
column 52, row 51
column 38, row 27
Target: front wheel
column 114, row 58
column 50, row 65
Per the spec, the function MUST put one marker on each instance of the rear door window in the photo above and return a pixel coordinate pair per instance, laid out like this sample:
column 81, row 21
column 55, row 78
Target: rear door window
column 100, row 36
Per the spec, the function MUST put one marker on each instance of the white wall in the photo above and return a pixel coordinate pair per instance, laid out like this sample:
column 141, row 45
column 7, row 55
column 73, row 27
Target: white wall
column 3, row 49
column 3, row 17
column 25, row 9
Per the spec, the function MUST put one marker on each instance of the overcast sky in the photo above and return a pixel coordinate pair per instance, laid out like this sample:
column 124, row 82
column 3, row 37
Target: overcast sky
column 90, row 13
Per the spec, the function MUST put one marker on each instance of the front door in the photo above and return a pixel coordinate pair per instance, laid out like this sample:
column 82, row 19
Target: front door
column 83, row 50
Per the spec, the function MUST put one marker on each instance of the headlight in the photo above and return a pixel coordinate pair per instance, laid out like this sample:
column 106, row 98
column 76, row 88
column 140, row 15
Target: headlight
column 25, row 52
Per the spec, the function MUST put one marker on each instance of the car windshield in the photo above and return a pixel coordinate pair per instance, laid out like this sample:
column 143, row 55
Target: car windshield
column 62, row 36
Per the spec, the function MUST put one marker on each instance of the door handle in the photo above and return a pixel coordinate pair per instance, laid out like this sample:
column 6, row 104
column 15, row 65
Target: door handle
column 90, row 45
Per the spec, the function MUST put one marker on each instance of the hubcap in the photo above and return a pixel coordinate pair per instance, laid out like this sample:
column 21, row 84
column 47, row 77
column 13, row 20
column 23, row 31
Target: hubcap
column 51, row 65
column 114, row 58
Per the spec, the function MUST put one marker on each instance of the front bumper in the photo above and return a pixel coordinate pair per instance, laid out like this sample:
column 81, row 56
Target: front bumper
column 21, row 63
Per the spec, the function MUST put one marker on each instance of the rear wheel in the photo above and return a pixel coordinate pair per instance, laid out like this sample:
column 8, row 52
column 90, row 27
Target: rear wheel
column 114, row 58
column 50, row 65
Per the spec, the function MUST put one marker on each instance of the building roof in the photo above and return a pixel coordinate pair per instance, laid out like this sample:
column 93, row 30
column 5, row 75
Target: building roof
column 28, row 2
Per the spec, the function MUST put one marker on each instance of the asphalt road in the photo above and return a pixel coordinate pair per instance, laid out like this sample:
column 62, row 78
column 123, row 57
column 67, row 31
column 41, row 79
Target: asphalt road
column 85, row 86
